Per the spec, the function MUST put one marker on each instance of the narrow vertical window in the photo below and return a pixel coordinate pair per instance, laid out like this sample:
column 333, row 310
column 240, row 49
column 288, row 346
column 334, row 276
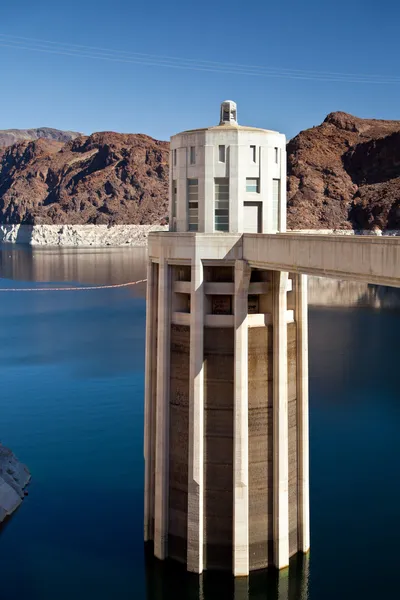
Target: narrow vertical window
column 275, row 203
column 253, row 153
column 221, row 217
column 221, row 153
column 193, row 204
column 276, row 155
column 174, row 196
column 192, row 155
column 175, row 157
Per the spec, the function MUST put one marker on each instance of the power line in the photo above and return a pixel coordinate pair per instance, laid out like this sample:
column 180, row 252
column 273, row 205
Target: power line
column 92, row 52
column 197, row 61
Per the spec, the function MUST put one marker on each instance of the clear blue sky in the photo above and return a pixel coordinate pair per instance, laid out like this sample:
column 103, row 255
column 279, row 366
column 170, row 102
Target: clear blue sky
column 89, row 94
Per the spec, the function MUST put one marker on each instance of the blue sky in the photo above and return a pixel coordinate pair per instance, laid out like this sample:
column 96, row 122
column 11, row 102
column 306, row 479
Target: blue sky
column 87, row 94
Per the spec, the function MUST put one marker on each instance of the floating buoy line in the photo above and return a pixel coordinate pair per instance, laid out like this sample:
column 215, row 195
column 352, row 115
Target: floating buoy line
column 74, row 289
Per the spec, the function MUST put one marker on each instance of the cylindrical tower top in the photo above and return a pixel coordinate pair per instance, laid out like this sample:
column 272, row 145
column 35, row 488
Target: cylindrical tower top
column 228, row 113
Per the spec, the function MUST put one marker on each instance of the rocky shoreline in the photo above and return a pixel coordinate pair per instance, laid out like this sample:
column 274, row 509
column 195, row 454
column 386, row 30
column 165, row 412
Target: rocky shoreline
column 14, row 477
column 118, row 235
column 78, row 235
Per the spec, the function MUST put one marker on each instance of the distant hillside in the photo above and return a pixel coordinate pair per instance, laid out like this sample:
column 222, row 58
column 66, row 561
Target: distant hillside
column 106, row 178
column 345, row 174
column 13, row 136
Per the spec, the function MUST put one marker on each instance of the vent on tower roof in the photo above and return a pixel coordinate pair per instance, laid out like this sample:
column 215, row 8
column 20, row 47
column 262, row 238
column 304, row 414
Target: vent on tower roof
column 228, row 113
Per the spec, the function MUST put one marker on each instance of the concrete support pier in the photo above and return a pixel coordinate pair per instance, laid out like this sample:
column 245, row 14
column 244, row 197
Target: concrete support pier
column 226, row 440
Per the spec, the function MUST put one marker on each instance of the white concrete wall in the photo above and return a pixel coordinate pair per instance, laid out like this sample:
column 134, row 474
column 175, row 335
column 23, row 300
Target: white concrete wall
column 238, row 166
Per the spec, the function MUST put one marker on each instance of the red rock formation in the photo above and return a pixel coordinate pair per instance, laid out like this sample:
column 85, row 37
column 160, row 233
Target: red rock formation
column 106, row 178
column 345, row 174
column 342, row 174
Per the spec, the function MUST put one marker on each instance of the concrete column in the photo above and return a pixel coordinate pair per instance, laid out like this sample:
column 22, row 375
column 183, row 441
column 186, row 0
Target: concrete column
column 280, row 423
column 282, row 192
column 196, row 423
column 150, row 371
column 303, row 509
column 162, row 413
column 234, row 184
column 181, row 204
column 240, row 427
column 209, row 189
column 265, row 191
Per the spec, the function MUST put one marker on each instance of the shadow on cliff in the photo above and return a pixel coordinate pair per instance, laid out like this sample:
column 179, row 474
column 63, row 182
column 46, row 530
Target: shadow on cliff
column 24, row 234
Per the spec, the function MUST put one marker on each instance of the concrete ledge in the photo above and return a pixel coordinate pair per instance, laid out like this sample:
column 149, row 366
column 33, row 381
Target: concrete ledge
column 181, row 287
column 219, row 320
column 180, row 318
column 223, row 288
column 261, row 319
column 259, row 287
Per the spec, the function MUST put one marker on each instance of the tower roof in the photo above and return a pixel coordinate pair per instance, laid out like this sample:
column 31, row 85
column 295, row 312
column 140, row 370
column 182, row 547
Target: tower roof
column 228, row 121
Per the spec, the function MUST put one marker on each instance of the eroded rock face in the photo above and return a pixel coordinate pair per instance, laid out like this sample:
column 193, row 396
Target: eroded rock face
column 106, row 178
column 14, row 477
column 345, row 174
column 342, row 174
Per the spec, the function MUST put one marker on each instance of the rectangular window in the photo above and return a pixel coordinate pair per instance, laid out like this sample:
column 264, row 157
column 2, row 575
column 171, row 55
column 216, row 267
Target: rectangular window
column 253, row 184
column 193, row 204
column 174, row 195
column 221, row 153
column 221, row 305
column 276, row 155
column 192, row 155
column 174, row 157
column 253, row 155
column 253, row 304
column 276, row 200
column 221, row 214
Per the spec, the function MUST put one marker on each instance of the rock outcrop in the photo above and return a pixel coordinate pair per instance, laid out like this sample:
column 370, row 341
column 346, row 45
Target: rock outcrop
column 106, row 178
column 8, row 137
column 14, row 477
column 345, row 174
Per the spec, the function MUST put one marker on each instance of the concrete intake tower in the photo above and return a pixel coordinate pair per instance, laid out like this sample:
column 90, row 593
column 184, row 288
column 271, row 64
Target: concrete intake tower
column 226, row 407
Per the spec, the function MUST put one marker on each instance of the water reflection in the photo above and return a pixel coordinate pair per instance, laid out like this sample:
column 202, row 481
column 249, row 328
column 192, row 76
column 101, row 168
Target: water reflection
column 169, row 581
column 95, row 266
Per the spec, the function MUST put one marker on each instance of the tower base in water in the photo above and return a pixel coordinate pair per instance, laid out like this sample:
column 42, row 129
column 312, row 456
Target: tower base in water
column 226, row 415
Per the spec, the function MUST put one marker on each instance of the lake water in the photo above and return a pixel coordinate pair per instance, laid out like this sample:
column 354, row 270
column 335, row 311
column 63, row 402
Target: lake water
column 71, row 406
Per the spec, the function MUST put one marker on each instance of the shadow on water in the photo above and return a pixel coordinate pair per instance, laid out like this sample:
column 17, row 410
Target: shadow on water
column 170, row 581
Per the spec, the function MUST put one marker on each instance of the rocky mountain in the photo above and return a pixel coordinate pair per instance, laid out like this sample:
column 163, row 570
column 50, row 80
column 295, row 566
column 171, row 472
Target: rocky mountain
column 106, row 178
column 8, row 137
column 345, row 174
column 342, row 174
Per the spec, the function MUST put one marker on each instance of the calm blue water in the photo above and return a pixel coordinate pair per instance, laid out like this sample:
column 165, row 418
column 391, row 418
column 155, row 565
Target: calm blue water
column 71, row 406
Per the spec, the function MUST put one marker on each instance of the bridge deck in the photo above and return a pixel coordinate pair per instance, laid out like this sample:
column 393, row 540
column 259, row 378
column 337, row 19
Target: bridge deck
column 358, row 258
column 371, row 259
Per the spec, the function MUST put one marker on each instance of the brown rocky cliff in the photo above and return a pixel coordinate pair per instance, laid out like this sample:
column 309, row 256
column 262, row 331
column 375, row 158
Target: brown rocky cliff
column 342, row 174
column 345, row 174
column 106, row 178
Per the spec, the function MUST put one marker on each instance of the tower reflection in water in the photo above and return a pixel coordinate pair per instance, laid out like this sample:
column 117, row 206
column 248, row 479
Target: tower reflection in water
column 167, row 580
